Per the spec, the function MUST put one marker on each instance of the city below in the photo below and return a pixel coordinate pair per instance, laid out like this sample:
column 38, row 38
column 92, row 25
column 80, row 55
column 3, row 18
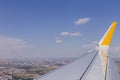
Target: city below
column 14, row 69
column 26, row 69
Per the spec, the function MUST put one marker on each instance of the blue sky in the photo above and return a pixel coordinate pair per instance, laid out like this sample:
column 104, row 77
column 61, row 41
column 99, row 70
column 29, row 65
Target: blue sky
column 55, row 28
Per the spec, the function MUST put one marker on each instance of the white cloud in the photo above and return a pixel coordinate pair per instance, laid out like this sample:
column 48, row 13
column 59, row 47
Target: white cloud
column 13, row 44
column 59, row 40
column 95, row 42
column 88, row 46
column 92, row 45
column 68, row 34
column 11, row 47
column 82, row 21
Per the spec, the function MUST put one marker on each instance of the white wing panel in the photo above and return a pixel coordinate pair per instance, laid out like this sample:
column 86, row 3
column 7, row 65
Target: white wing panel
column 96, row 71
column 72, row 71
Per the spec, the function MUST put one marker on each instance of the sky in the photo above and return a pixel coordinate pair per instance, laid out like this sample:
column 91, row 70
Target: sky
column 56, row 28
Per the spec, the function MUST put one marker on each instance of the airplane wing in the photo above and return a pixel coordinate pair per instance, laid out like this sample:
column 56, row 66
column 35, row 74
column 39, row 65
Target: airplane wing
column 96, row 65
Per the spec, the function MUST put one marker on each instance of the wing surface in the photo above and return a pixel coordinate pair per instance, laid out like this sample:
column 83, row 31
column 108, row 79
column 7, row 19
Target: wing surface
column 72, row 71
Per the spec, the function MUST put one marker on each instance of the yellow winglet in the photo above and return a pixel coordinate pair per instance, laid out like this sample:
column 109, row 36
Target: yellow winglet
column 108, row 35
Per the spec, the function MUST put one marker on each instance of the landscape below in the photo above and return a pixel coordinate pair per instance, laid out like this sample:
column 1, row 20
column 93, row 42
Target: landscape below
column 14, row 69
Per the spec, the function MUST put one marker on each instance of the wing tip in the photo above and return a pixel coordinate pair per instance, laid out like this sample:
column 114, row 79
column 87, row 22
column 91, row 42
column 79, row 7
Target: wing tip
column 106, row 40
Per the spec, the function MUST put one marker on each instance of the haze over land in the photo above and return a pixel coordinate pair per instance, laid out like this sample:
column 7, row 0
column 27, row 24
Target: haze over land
column 15, row 69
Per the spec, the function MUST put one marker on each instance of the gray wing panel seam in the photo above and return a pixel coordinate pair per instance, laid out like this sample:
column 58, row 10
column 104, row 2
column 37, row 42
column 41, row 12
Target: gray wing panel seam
column 88, row 66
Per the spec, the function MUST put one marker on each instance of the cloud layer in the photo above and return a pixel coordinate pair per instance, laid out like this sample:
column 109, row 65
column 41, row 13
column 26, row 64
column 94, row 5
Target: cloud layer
column 69, row 34
column 59, row 40
column 8, row 44
column 82, row 21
